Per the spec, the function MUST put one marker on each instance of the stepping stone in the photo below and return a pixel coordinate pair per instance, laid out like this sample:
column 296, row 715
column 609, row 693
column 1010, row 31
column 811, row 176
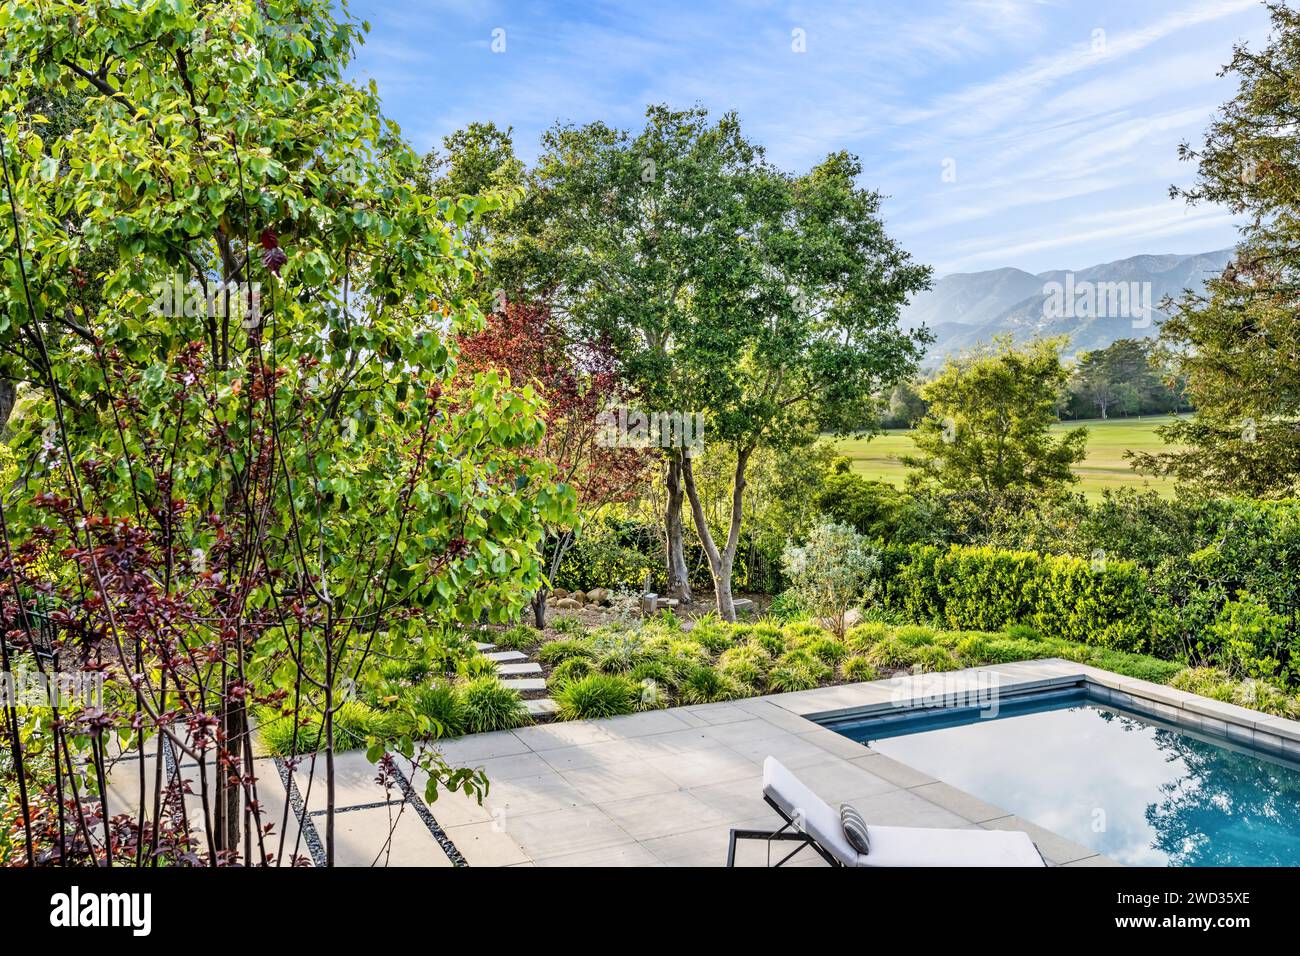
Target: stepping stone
column 522, row 684
column 543, row 707
column 483, row 646
column 500, row 656
column 742, row 604
column 528, row 668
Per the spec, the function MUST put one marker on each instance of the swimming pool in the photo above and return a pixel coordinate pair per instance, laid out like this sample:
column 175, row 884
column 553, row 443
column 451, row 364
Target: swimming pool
column 1140, row 790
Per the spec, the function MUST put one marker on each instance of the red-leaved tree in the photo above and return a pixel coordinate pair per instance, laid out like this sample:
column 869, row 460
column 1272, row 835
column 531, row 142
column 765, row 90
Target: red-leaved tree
column 578, row 381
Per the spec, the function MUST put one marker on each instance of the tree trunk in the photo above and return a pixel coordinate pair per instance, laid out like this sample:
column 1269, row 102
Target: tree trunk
column 8, row 395
column 538, row 605
column 720, row 562
column 679, row 585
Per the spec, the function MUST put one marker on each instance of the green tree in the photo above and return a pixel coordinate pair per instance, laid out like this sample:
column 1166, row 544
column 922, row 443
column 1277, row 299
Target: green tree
column 287, row 486
column 628, row 239
column 989, row 421
column 766, row 301
column 1236, row 345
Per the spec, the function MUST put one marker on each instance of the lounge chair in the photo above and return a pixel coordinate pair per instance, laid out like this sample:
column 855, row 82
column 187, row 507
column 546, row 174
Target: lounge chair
column 810, row 822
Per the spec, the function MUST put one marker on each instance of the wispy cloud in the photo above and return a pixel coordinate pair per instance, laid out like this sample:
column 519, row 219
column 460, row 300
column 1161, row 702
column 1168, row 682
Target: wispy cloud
column 1049, row 112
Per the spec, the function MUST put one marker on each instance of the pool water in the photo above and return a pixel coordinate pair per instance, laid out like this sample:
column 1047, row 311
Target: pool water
column 1138, row 790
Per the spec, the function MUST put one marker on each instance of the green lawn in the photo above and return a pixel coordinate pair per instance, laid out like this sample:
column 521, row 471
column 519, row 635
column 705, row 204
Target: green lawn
column 1105, row 466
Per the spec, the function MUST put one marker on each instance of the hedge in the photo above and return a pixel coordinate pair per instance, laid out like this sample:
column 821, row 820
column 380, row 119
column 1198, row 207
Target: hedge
column 987, row 589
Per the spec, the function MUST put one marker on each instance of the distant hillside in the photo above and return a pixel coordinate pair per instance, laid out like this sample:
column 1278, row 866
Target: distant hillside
column 968, row 309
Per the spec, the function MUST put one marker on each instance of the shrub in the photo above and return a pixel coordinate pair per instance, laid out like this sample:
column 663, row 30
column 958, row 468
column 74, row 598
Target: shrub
column 651, row 695
column 554, row 652
column 595, row 696
column 476, row 666
column 786, row 607
column 619, row 653
column 712, row 636
column 745, row 653
column 1023, row 632
column 654, row 670
column 1134, row 665
column 704, row 685
column 1252, row 640
column 801, row 632
column 833, row 571
column 890, row 653
column 858, row 668
column 406, row 671
column 931, row 657
column 773, row 645
column 441, row 703
column 973, row 649
column 791, row 677
column 743, row 671
column 518, row 638
column 827, row 650
column 567, row 671
column 802, row 657
column 489, row 705
column 1216, row 683
column 567, row 624
column 862, row 636
column 1004, row 650
column 276, row 731
column 914, row 636
column 683, row 654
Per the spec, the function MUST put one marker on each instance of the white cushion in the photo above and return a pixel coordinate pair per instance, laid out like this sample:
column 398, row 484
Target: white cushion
column 893, row 846
column 923, row 846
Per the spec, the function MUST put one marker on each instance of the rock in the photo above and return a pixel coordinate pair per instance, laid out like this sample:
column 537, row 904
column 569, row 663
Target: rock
column 578, row 596
column 598, row 596
column 566, row 604
column 854, row 616
column 559, row 593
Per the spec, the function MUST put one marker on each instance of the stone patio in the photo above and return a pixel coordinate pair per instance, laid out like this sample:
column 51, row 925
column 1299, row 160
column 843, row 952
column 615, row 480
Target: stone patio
column 663, row 788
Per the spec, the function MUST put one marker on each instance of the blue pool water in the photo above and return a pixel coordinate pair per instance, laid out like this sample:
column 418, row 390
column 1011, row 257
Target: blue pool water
column 1141, row 791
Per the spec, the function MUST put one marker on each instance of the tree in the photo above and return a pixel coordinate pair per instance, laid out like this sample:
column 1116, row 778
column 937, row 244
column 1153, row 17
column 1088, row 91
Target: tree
column 625, row 238
column 229, row 500
column 906, row 406
column 765, row 301
column 1237, row 344
column 577, row 381
column 1121, row 375
column 989, row 422
column 824, row 290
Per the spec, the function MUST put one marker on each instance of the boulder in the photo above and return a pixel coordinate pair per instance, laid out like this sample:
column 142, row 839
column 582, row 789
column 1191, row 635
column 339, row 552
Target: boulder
column 598, row 595
column 566, row 604
column 853, row 617
column 578, row 596
column 557, row 593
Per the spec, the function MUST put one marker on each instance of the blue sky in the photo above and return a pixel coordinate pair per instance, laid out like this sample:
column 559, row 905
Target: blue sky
column 1031, row 133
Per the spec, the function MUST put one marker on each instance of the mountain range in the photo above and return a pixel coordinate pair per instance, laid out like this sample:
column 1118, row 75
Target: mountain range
column 968, row 309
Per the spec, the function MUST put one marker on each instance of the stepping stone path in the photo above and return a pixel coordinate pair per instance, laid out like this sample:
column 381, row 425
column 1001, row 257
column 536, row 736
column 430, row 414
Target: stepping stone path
column 516, row 671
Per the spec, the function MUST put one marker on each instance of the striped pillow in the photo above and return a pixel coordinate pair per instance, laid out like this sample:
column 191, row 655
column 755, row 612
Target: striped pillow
column 855, row 829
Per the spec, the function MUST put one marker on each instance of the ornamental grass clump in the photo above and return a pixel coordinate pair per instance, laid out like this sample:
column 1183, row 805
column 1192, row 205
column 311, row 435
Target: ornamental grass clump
column 596, row 696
